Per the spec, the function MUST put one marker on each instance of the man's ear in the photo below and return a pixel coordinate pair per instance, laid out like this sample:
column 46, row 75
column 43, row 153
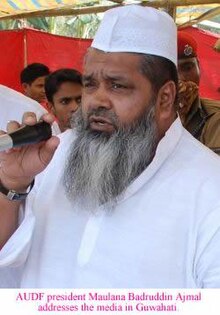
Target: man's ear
column 51, row 107
column 165, row 112
column 24, row 86
column 166, row 100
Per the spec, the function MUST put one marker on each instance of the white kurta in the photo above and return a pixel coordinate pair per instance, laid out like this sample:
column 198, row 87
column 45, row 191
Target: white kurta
column 163, row 233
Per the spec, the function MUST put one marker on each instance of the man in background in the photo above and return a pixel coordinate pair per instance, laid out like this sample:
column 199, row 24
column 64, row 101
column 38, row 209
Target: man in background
column 63, row 91
column 201, row 117
column 32, row 79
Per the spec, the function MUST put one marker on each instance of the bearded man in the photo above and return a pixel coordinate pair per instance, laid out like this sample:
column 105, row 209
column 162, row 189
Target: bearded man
column 130, row 198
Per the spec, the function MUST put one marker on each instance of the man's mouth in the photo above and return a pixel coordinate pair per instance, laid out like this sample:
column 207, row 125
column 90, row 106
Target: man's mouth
column 101, row 124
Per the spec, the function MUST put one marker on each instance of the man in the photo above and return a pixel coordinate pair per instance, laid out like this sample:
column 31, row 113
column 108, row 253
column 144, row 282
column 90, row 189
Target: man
column 201, row 117
column 33, row 79
column 130, row 198
column 63, row 91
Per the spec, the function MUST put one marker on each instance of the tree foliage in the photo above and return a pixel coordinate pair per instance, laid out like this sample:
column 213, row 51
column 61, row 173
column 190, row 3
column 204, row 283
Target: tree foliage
column 83, row 26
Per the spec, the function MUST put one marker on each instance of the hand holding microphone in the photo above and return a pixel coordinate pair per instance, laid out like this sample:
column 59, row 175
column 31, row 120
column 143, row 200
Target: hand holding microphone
column 35, row 147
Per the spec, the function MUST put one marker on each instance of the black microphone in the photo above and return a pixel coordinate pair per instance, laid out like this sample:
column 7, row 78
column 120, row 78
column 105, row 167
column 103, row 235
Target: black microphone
column 26, row 135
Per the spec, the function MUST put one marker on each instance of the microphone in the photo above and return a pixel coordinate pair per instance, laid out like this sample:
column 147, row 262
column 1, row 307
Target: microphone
column 26, row 135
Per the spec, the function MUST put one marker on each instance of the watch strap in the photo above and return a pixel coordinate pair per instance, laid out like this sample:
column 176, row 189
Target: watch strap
column 14, row 195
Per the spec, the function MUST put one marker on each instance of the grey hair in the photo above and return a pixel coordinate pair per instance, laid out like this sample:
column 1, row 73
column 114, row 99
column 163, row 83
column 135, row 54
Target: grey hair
column 100, row 167
column 159, row 70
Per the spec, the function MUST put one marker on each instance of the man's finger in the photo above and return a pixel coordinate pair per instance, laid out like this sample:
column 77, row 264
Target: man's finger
column 12, row 126
column 2, row 132
column 50, row 118
column 29, row 118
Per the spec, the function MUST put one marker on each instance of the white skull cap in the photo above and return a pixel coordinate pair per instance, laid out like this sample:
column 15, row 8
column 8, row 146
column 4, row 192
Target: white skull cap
column 133, row 28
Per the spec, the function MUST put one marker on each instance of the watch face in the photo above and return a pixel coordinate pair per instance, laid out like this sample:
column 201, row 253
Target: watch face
column 13, row 195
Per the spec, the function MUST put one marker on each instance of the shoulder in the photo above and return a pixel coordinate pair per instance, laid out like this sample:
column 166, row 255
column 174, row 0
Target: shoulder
column 210, row 106
column 211, row 132
column 195, row 155
column 195, row 169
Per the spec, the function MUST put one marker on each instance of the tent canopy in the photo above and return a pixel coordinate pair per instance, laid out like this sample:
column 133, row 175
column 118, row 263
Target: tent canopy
column 187, row 10
column 27, row 8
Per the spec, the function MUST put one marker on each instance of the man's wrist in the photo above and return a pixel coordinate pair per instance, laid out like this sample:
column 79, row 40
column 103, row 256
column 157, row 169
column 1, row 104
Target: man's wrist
column 15, row 195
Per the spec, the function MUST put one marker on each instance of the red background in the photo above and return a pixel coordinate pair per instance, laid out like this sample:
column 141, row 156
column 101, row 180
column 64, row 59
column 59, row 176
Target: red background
column 22, row 47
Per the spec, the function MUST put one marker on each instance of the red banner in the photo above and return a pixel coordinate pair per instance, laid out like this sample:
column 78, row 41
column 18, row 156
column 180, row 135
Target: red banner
column 22, row 47
column 11, row 58
column 56, row 51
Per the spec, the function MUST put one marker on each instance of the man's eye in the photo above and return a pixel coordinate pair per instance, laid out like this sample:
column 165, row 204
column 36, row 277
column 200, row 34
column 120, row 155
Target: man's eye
column 78, row 100
column 65, row 101
column 88, row 84
column 116, row 86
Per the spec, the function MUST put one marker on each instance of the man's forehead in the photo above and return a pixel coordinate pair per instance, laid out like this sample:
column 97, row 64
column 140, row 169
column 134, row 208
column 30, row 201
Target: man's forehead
column 97, row 58
column 97, row 53
column 105, row 75
column 40, row 79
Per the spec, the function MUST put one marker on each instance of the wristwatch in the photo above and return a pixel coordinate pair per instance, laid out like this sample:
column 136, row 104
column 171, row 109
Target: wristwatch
column 14, row 195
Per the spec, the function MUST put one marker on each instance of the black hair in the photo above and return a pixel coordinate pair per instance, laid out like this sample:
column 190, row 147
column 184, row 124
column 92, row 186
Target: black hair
column 33, row 71
column 158, row 71
column 58, row 77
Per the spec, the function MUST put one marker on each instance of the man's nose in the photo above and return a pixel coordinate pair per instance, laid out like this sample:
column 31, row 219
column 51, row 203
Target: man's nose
column 74, row 106
column 101, row 98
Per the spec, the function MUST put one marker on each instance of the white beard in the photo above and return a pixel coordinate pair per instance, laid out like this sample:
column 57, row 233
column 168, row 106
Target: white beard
column 100, row 167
